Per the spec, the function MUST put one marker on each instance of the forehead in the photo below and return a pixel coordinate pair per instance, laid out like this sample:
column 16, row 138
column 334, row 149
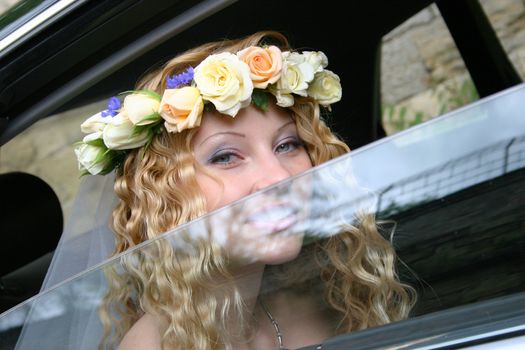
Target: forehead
column 249, row 119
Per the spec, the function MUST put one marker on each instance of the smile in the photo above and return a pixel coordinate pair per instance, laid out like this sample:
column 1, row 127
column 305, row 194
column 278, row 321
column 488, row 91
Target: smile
column 274, row 218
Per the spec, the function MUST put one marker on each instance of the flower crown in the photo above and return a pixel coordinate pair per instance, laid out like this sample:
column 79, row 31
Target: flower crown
column 225, row 81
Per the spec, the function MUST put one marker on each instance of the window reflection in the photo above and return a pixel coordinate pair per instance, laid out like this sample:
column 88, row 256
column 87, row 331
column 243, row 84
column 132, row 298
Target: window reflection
column 454, row 219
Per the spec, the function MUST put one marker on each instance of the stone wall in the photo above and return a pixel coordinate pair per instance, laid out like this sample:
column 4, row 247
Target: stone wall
column 421, row 70
column 423, row 74
column 7, row 4
column 53, row 160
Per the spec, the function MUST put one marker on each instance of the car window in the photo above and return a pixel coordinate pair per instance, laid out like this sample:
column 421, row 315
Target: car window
column 507, row 19
column 447, row 193
column 22, row 19
column 46, row 150
column 14, row 13
column 422, row 72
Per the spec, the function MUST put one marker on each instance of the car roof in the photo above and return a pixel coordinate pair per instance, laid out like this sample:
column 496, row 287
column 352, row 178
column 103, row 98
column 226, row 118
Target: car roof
column 94, row 49
column 97, row 48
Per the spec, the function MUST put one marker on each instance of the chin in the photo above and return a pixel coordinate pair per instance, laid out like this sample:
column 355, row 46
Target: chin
column 279, row 249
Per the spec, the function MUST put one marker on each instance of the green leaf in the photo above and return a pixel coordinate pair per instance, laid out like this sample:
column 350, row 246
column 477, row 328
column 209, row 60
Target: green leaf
column 260, row 99
column 102, row 157
column 402, row 114
column 139, row 129
column 97, row 143
column 153, row 116
column 208, row 106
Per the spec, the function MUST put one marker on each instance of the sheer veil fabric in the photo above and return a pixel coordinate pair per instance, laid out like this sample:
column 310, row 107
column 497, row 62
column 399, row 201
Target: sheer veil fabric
column 66, row 310
column 87, row 239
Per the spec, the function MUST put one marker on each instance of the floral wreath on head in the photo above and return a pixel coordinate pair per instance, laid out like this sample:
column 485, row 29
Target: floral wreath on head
column 227, row 81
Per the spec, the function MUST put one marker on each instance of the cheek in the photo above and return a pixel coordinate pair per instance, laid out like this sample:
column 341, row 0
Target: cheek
column 211, row 189
column 219, row 194
column 302, row 163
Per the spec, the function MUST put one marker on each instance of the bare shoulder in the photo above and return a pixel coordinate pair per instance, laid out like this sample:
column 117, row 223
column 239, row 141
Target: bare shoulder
column 143, row 335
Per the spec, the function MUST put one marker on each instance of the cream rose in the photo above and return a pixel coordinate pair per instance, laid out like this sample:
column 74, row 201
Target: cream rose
column 181, row 108
column 326, row 88
column 265, row 64
column 91, row 158
column 317, row 59
column 224, row 80
column 95, row 123
column 120, row 134
column 141, row 108
column 297, row 73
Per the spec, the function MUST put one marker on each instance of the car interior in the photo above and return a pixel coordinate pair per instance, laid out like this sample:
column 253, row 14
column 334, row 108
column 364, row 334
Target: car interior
column 98, row 48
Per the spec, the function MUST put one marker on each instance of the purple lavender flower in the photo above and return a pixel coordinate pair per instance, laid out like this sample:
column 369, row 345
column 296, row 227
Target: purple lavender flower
column 181, row 79
column 113, row 107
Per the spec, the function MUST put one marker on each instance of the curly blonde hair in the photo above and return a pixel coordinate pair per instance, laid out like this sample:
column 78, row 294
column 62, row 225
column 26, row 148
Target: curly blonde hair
column 158, row 191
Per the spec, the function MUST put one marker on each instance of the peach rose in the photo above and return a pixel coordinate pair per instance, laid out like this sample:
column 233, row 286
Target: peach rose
column 181, row 108
column 265, row 64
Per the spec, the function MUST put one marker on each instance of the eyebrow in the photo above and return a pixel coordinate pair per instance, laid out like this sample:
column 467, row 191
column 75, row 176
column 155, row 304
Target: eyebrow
column 239, row 134
column 223, row 133
column 285, row 125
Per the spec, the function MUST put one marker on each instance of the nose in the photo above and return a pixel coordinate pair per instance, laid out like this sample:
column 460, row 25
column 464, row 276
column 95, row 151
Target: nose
column 270, row 171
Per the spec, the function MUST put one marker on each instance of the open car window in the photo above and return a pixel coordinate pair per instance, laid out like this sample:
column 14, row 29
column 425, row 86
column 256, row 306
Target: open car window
column 448, row 195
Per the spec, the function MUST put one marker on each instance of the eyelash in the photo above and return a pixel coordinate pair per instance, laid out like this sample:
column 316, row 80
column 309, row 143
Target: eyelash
column 294, row 142
column 218, row 157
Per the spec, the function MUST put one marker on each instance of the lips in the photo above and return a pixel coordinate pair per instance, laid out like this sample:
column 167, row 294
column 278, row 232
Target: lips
column 274, row 218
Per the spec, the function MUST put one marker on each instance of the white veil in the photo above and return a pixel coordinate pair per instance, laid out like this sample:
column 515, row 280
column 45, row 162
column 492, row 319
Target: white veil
column 65, row 311
column 87, row 239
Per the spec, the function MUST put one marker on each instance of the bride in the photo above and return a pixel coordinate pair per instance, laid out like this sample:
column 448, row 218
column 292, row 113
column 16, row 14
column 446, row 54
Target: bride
column 215, row 124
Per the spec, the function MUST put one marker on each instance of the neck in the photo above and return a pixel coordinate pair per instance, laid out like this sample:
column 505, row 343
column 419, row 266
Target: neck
column 302, row 320
column 248, row 279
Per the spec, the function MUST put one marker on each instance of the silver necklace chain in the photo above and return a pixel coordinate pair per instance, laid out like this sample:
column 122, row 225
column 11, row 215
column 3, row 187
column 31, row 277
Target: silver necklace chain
column 275, row 325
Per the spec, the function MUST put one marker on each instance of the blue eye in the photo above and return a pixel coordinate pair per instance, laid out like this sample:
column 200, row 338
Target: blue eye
column 224, row 158
column 288, row 146
column 284, row 147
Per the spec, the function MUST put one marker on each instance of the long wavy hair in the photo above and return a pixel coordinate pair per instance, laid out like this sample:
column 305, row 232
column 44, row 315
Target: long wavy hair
column 157, row 192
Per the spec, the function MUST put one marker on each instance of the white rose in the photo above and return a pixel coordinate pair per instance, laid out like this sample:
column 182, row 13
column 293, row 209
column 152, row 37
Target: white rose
column 224, row 80
column 282, row 98
column 317, row 59
column 297, row 73
column 95, row 123
column 92, row 137
column 326, row 88
column 141, row 108
column 120, row 134
column 91, row 158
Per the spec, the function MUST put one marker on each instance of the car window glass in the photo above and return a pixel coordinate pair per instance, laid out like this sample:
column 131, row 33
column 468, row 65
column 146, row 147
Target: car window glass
column 6, row 5
column 13, row 13
column 447, row 193
column 422, row 72
column 45, row 149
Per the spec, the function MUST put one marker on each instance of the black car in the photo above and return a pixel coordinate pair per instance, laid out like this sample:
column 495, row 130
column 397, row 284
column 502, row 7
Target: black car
column 454, row 189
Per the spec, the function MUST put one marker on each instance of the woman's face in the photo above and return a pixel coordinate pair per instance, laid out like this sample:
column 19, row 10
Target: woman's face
column 248, row 153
